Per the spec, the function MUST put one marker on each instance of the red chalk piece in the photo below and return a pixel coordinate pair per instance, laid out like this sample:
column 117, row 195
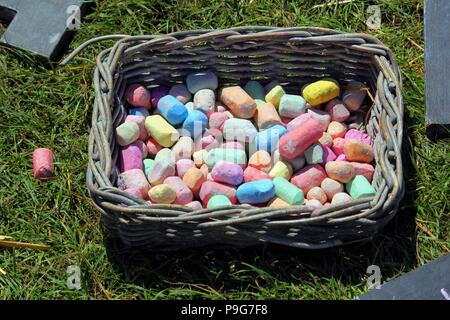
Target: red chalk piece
column 296, row 141
column 43, row 167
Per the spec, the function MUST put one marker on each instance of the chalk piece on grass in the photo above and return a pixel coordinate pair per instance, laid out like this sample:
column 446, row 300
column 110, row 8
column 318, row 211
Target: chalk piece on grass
column 43, row 167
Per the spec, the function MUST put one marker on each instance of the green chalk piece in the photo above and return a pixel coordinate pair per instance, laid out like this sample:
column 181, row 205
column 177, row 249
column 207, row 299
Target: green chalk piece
column 314, row 154
column 231, row 155
column 287, row 191
column 360, row 187
column 148, row 165
column 255, row 90
column 217, row 201
column 165, row 154
column 259, row 102
column 291, row 106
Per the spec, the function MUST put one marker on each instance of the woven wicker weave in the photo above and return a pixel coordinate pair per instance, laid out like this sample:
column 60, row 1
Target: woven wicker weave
column 294, row 57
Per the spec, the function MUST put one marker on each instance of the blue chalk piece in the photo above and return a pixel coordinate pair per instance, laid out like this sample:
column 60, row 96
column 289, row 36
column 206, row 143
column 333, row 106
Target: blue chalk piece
column 268, row 139
column 201, row 80
column 138, row 112
column 256, row 192
column 172, row 109
column 195, row 123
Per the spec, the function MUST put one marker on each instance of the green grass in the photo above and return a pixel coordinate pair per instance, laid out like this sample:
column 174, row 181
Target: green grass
column 39, row 107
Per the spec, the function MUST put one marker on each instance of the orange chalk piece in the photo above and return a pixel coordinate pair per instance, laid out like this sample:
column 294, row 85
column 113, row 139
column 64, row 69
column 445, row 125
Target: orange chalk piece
column 43, row 167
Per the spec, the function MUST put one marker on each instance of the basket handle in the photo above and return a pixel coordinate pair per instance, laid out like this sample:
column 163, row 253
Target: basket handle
column 86, row 44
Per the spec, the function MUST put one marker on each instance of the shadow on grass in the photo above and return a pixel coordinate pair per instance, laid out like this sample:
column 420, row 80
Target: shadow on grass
column 220, row 270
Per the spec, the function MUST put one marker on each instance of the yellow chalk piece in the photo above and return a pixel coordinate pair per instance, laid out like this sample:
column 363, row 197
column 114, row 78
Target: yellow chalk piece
column 278, row 203
column 162, row 131
column 281, row 169
column 274, row 95
column 320, row 91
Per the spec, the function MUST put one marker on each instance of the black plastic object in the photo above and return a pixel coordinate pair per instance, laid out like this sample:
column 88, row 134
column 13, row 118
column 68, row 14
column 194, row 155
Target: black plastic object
column 437, row 71
column 43, row 27
column 429, row 282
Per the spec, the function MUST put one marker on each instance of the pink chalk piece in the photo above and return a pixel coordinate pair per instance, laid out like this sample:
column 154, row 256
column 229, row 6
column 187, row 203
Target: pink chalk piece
column 298, row 121
column 227, row 172
column 359, row 135
column 153, row 147
column 211, row 188
column 341, row 157
column 232, row 145
column 131, row 156
column 217, row 119
column 139, row 120
column 322, row 116
column 364, row 169
column 309, row 177
column 337, row 110
column 158, row 93
column 338, row 146
column 184, row 165
column 138, row 96
column 216, row 133
column 196, row 205
column 135, row 192
column 134, row 178
column 43, row 167
column 328, row 154
column 296, row 141
column 253, row 174
column 184, row 194
column 207, row 143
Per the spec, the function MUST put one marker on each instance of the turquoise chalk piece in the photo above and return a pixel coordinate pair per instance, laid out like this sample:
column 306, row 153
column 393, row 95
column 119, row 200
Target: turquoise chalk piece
column 255, row 192
column 138, row 112
column 268, row 139
column 255, row 90
column 360, row 187
column 291, row 106
column 148, row 165
column 287, row 191
column 314, row 154
column 218, row 200
column 231, row 155
column 172, row 109
column 195, row 123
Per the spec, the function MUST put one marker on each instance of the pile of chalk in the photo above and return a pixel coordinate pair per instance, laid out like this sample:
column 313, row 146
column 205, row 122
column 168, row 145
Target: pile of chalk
column 202, row 146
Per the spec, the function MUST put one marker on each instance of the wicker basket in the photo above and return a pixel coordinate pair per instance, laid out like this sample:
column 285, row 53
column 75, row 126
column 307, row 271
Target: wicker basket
column 294, row 57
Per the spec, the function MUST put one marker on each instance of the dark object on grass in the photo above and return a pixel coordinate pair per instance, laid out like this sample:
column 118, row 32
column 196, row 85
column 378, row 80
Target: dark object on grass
column 293, row 57
column 437, row 72
column 43, row 27
column 429, row 282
